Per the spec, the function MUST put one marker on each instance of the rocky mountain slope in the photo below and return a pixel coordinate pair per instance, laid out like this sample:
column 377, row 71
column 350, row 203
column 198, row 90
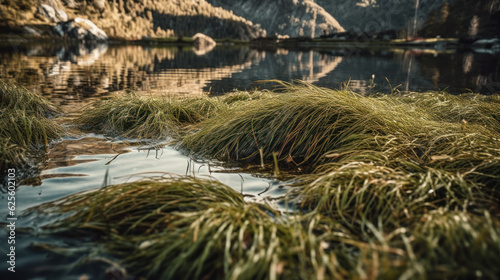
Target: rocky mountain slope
column 131, row 19
column 295, row 18
column 249, row 19
column 379, row 16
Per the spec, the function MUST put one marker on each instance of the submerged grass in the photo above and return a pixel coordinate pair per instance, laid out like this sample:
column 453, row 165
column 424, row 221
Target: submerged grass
column 25, row 122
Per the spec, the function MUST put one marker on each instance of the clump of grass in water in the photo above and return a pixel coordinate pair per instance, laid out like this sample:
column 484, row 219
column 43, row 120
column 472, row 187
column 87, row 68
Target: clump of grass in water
column 366, row 192
column 306, row 122
column 156, row 117
column 147, row 117
column 16, row 97
column 25, row 123
column 187, row 228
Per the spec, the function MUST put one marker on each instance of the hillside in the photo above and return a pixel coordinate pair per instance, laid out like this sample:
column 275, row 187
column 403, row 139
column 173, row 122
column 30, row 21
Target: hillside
column 465, row 19
column 295, row 18
column 131, row 19
column 378, row 16
column 249, row 19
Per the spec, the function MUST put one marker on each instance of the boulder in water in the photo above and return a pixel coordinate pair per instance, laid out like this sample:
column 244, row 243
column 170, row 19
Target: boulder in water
column 203, row 44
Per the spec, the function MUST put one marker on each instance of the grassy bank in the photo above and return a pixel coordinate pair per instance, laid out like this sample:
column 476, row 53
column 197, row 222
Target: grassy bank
column 25, row 123
column 388, row 186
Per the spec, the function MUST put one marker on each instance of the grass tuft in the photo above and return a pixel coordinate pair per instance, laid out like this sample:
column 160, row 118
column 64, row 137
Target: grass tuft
column 137, row 116
column 197, row 228
column 16, row 97
column 308, row 125
column 25, row 123
column 147, row 117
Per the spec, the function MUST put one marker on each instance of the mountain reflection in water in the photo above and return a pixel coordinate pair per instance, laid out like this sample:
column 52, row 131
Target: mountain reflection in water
column 70, row 75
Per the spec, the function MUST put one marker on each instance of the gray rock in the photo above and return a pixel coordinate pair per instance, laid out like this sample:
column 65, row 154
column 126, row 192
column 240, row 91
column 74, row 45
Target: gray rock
column 203, row 44
column 30, row 31
column 80, row 29
column 61, row 15
column 47, row 12
column 54, row 15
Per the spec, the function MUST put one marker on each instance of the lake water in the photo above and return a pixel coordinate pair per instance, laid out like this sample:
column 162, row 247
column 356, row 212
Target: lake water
column 69, row 74
column 72, row 76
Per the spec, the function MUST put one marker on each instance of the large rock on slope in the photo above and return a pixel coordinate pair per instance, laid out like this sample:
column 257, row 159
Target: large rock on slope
column 53, row 14
column 80, row 29
column 295, row 18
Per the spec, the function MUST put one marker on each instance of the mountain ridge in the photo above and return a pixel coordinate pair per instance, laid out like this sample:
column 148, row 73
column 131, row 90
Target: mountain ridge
column 250, row 19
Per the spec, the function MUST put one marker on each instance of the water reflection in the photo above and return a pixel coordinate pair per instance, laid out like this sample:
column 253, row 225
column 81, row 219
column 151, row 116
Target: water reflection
column 75, row 165
column 70, row 75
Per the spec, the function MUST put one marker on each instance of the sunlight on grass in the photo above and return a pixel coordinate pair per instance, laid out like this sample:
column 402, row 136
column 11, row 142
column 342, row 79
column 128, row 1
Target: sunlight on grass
column 391, row 186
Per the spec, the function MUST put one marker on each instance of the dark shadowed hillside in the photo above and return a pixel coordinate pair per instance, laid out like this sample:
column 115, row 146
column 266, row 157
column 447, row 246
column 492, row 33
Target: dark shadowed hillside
column 464, row 19
column 377, row 16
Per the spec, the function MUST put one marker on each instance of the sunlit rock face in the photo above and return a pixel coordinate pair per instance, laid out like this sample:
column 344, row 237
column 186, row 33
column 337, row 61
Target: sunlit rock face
column 53, row 14
column 130, row 19
column 203, row 44
column 80, row 29
column 295, row 18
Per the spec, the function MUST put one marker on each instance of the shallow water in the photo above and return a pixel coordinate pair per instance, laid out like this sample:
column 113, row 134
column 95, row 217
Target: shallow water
column 89, row 162
column 72, row 76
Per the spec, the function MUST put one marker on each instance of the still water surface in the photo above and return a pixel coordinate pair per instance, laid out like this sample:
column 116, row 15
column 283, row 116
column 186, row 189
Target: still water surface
column 72, row 76
column 71, row 73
